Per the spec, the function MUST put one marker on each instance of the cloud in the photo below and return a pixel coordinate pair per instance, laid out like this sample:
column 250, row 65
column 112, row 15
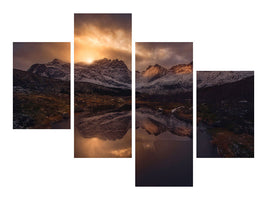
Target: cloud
column 27, row 53
column 166, row 54
column 100, row 36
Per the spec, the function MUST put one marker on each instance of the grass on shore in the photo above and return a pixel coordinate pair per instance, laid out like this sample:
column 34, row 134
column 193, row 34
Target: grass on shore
column 39, row 110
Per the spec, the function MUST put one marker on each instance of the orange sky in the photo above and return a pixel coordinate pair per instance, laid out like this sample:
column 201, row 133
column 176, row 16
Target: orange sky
column 166, row 54
column 26, row 54
column 98, row 36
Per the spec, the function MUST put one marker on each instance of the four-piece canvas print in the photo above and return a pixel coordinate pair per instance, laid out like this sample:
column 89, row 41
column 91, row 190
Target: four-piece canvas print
column 103, row 99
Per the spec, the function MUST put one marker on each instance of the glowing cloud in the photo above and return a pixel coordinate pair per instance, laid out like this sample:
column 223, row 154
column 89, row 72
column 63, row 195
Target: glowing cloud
column 100, row 36
column 166, row 54
column 26, row 54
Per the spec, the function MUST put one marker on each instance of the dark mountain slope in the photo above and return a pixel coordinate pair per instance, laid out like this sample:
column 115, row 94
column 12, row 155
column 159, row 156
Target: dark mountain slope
column 39, row 102
column 28, row 80
column 240, row 90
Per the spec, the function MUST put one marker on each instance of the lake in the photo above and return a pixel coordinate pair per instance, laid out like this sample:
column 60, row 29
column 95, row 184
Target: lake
column 63, row 124
column 164, row 151
column 205, row 149
column 106, row 135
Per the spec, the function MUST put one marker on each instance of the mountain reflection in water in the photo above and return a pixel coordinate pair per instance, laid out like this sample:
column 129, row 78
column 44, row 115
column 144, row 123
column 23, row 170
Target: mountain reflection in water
column 164, row 155
column 106, row 135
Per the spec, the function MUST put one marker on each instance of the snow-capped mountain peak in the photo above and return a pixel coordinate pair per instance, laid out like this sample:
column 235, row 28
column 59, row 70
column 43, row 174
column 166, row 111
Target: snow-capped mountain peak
column 158, row 80
column 154, row 70
column 179, row 79
column 57, row 61
column 55, row 69
column 211, row 78
column 182, row 68
column 106, row 72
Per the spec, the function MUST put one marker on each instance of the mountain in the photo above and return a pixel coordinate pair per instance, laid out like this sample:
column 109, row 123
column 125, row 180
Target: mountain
column 105, row 72
column 27, row 81
column 182, row 68
column 241, row 91
column 179, row 79
column 154, row 72
column 212, row 78
column 159, row 80
column 56, row 69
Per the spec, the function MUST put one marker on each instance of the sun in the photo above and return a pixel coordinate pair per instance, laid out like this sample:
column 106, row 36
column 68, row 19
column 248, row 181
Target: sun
column 89, row 60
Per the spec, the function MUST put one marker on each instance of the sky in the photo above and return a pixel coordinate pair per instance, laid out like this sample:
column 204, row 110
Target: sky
column 98, row 36
column 26, row 54
column 166, row 54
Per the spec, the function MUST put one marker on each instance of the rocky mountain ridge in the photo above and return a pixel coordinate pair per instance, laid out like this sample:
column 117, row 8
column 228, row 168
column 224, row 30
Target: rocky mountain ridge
column 105, row 72
column 55, row 69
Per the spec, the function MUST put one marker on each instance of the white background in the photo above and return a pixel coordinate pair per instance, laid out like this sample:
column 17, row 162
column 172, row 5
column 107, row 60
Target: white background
column 230, row 35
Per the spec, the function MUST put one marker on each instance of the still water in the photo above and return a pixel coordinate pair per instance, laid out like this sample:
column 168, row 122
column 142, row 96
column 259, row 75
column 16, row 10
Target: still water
column 205, row 148
column 63, row 124
column 103, row 136
column 164, row 155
